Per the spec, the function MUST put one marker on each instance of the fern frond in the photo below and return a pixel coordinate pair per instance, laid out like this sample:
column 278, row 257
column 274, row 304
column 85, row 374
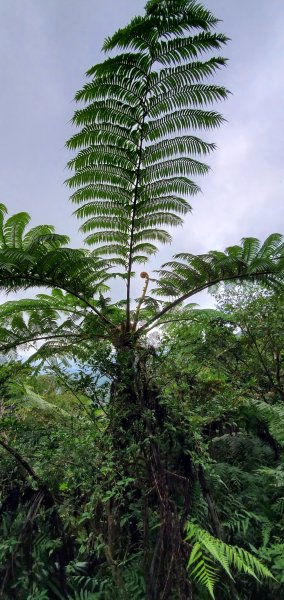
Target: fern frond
column 40, row 258
column 190, row 274
column 179, row 121
column 180, row 49
column 150, row 92
column 202, row 569
column 270, row 414
column 248, row 261
column 195, row 95
column 176, row 146
column 14, row 228
column 173, row 203
column 170, row 168
column 184, row 75
column 206, row 548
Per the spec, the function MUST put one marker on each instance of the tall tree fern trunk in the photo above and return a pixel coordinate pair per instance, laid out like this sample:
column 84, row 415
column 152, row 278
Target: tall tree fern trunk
column 137, row 422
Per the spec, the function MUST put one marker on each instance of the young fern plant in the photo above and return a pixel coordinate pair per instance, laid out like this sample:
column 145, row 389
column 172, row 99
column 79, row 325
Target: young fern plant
column 209, row 554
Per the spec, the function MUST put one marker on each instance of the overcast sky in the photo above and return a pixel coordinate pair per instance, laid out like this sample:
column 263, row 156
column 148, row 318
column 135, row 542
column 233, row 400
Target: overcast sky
column 46, row 47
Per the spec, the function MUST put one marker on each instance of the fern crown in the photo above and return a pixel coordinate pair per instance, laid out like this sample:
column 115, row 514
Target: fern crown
column 137, row 154
column 137, row 149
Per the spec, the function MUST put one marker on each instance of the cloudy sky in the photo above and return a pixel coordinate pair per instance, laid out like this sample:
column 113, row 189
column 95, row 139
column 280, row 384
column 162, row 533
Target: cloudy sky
column 47, row 45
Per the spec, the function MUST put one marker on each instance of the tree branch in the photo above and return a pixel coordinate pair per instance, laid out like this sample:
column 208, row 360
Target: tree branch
column 22, row 461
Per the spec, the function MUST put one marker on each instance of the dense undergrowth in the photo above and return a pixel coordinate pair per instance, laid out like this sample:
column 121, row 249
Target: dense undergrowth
column 219, row 378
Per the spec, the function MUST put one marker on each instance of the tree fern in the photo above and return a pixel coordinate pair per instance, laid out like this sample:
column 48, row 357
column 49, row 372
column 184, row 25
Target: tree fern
column 138, row 157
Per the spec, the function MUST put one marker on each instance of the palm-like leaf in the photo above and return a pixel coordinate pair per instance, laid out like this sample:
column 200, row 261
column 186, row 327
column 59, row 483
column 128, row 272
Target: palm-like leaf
column 133, row 169
column 190, row 274
column 40, row 257
column 207, row 550
column 56, row 324
column 270, row 414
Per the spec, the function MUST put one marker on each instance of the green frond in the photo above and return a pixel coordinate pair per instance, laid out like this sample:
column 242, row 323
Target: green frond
column 206, row 548
column 166, row 203
column 111, row 222
column 37, row 232
column 56, row 301
column 176, row 146
column 136, row 143
column 130, row 64
column 137, row 36
column 9, row 257
column 180, row 49
column 102, row 208
column 42, row 237
column 103, row 174
column 14, row 228
column 109, row 154
column 189, row 274
column 249, row 261
column 145, row 247
column 181, row 120
column 107, row 236
column 159, row 218
column 171, row 185
column 102, row 134
column 173, row 167
column 140, row 259
column 202, row 569
column 184, row 75
column 270, row 414
column 40, row 259
column 194, row 95
column 107, row 249
column 250, row 248
column 48, row 324
column 117, row 88
column 158, row 235
column 272, row 246
column 100, row 192
column 30, row 399
column 181, row 13
column 3, row 212
column 177, row 17
column 98, row 113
